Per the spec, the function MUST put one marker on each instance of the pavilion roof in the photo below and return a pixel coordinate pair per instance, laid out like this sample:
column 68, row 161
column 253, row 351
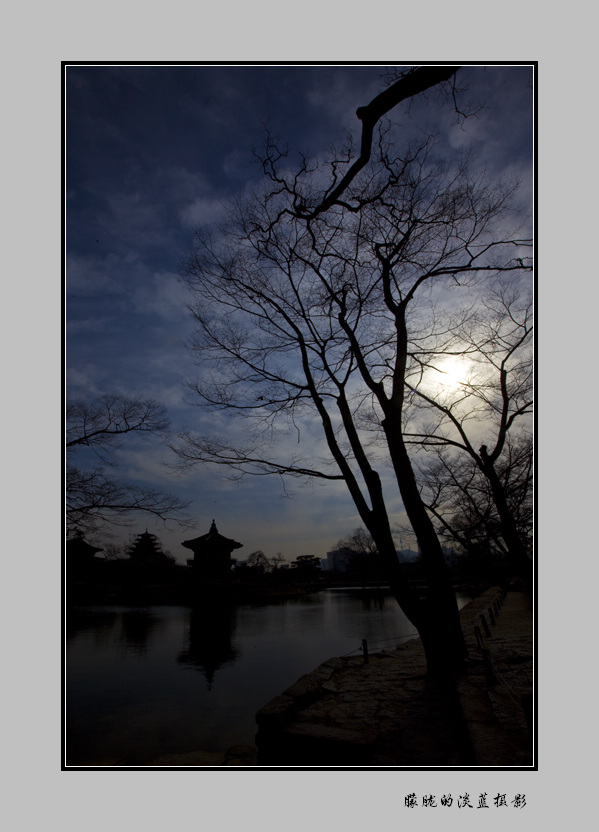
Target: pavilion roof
column 212, row 540
column 81, row 547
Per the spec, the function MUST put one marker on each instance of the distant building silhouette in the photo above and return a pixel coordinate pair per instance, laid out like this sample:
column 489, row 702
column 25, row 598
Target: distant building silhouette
column 212, row 554
column 340, row 560
column 146, row 549
column 80, row 556
column 337, row 560
column 78, row 550
column 407, row 555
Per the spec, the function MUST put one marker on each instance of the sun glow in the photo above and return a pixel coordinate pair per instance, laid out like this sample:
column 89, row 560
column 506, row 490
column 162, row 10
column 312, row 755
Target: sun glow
column 451, row 373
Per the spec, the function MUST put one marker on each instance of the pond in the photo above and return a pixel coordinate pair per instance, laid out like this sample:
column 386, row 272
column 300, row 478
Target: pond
column 142, row 682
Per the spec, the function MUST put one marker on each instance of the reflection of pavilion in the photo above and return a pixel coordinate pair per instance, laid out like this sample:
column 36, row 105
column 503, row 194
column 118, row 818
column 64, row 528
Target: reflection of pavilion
column 212, row 554
column 211, row 630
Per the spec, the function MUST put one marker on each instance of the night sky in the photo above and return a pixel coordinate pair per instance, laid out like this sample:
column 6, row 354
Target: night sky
column 153, row 152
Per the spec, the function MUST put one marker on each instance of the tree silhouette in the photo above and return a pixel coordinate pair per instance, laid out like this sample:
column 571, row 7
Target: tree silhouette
column 484, row 414
column 360, row 555
column 305, row 567
column 460, row 497
column 93, row 497
column 311, row 317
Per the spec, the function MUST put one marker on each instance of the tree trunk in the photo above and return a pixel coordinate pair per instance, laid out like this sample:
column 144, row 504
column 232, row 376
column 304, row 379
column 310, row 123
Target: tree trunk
column 516, row 549
column 441, row 631
column 436, row 617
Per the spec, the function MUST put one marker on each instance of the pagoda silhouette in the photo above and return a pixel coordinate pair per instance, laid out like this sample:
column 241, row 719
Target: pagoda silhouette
column 211, row 554
column 146, row 549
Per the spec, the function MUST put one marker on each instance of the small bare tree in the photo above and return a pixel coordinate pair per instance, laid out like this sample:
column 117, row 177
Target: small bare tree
column 459, row 497
column 99, row 424
column 93, row 497
column 360, row 555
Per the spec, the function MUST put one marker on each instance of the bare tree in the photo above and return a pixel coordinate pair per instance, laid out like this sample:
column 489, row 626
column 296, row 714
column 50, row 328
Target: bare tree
column 404, row 86
column 93, row 496
column 460, row 498
column 276, row 562
column 358, row 541
column 311, row 318
column 100, row 424
column 257, row 560
column 487, row 401
column 361, row 557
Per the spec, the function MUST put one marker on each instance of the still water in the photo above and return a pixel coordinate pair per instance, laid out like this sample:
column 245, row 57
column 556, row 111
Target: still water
column 141, row 682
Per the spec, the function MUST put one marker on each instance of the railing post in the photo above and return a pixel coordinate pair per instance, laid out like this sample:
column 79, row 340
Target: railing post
column 485, row 625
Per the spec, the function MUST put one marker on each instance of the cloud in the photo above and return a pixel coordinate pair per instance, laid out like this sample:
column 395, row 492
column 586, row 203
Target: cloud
column 201, row 211
column 145, row 463
column 335, row 95
column 133, row 218
column 81, row 382
column 238, row 164
column 465, row 134
column 160, row 294
column 87, row 326
column 92, row 274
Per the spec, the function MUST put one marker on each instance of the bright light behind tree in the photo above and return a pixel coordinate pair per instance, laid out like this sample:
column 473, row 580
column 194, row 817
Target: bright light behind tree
column 447, row 375
column 450, row 373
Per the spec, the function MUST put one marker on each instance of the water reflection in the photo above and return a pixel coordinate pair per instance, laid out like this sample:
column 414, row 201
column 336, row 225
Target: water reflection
column 136, row 628
column 210, row 631
column 167, row 680
column 372, row 598
column 99, row 623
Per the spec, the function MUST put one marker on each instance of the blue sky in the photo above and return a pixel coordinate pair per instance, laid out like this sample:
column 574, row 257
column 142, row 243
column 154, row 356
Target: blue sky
column 152, row 152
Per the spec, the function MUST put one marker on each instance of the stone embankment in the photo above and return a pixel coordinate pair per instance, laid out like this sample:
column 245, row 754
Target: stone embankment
column 386, row 712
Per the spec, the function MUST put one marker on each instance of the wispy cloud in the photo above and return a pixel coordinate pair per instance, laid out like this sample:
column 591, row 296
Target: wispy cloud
column 201, row 211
